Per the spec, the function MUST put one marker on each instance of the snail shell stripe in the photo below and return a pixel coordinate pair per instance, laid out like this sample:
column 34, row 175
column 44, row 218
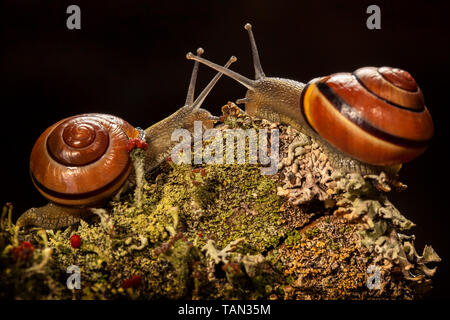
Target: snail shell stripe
column 367, row 125
column 372, row 119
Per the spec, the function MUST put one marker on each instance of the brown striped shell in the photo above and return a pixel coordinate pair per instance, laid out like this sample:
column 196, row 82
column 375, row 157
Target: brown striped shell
column 375, row 115
column 82, row 160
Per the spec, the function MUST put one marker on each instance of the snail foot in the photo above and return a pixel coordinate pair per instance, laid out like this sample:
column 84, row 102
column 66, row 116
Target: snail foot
column 51, row 216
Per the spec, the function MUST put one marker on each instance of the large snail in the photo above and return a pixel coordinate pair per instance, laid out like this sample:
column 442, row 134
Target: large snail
column 370, row 120
column 81, row 161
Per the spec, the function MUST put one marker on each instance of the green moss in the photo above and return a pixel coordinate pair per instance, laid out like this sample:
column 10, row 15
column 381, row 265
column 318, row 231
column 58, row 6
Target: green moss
column 245, row 205
column 293, row 238
column 311, row 233
column 159, row 240
column 333, row 245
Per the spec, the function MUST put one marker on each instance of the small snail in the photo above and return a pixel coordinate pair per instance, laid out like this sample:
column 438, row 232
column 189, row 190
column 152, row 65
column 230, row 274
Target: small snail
column 370, row 120
column 81, row 161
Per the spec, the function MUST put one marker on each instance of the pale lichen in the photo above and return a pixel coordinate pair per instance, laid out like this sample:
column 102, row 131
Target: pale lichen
column 225, row 231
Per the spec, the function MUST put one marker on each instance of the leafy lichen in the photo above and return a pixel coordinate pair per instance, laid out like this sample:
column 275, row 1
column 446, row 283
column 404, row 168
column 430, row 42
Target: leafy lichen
column 227, row 232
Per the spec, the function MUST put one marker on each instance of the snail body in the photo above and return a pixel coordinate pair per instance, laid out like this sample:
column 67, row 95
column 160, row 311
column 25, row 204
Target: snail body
column 368, row 121
column 82, row 161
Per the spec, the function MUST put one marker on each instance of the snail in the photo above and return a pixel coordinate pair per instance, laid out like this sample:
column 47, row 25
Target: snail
column 82, row 161
column 368, row 121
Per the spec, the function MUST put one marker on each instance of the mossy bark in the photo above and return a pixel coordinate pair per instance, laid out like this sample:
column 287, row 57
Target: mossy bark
column 225, row 232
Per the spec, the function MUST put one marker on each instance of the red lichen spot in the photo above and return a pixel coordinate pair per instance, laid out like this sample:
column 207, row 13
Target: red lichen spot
column 131, row 145
column 134, row 281
column 23, row 252
column 196, row 170
column 75, row 241
column 203, row 172
column 136, row 143
column 141, row 144
column 200, row 235
column 196, row 183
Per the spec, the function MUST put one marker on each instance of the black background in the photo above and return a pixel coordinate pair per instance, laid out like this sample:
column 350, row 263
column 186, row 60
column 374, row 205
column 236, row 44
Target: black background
column 128, row 59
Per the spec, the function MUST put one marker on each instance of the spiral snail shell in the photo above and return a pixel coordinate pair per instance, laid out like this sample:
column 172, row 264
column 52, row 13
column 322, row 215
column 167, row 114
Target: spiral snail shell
column 83, row 159
column 375, row 115
column 368, row 121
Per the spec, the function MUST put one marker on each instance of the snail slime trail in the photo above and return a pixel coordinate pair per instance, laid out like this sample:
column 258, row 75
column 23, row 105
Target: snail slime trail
column 368, row 121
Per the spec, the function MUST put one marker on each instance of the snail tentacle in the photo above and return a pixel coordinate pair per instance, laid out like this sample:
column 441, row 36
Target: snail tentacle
column 259, row 73
column 371, row 120
column 159, row 135
column 82, row 161
column 191, row 90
